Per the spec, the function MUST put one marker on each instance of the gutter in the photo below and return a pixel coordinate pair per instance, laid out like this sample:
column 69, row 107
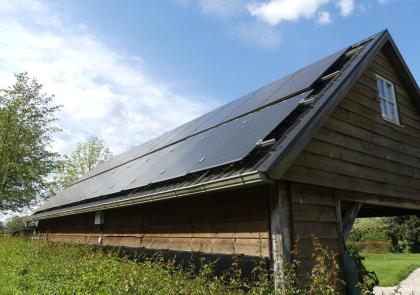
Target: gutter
column 249, row 178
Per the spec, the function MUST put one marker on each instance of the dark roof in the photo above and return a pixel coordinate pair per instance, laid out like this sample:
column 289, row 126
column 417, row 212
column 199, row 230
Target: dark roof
column 248, row 140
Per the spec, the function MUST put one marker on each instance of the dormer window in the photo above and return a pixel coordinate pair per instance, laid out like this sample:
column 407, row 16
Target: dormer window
column 387, row 100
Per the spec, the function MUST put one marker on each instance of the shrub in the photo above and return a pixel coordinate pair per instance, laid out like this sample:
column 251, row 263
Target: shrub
column 367, row 279
column 15, row 223
column 40, row 267
column 37, row 267
column 374, row 247
column 369, row 229
column 404, row 233
column 324, row 278
column 401, row 233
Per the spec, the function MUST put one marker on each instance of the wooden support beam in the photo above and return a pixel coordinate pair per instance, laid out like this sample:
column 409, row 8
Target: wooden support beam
column 339, row 220
column 348, row 219
column 280, row 229
column 379, row 200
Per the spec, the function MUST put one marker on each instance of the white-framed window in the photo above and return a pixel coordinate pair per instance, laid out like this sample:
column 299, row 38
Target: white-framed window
column 387, row 99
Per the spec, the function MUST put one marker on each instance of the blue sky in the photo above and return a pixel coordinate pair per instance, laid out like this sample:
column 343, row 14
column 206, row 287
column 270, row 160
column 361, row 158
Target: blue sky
column 203, row 47
column 130, row 70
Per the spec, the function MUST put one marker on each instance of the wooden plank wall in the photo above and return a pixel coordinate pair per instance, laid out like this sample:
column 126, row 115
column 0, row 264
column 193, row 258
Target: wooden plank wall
column 313, row 215
column 232, row 222
column 358, row 150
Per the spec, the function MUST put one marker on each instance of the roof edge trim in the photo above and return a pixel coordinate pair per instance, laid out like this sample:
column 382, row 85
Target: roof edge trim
column 245, row 179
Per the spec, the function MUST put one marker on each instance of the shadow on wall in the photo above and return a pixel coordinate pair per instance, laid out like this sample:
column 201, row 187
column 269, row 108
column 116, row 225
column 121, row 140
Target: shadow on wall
column 194, row 260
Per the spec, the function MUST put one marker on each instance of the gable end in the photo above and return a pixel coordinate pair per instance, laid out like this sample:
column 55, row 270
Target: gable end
column 356, row 149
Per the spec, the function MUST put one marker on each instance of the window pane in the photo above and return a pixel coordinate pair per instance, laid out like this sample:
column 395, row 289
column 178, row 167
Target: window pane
column 380, row 85
column 389, row 92
column 387, row 100
column 383, row 107
column 390, row 111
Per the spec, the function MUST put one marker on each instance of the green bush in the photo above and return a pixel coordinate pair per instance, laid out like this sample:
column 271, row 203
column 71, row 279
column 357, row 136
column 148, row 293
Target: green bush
column 39, row 267
column 404, row 233
column 15, row 223
column 382, row 234
column 36, row 267
column 324, row 279
column 374, row 247
column 367, row 279
column 369, row 229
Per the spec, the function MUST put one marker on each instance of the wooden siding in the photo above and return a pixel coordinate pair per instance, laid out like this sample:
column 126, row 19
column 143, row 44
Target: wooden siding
column 357, row 150
column 314, row 214
column 233, row 222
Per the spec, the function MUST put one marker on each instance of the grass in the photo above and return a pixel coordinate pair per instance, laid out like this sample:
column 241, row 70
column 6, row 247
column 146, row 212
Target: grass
column 391, row 268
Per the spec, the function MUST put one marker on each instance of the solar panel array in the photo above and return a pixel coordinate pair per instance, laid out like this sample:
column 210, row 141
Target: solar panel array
column 225, row 135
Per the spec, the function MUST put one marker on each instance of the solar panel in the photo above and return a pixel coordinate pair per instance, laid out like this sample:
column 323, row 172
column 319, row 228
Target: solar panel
column 252, row 128
column 284, row 87
column 229, row 142
column 257, row 99
column 222, row 136
column 304, row 78
column 226, row 143
column 188, row 154
column 221, row 114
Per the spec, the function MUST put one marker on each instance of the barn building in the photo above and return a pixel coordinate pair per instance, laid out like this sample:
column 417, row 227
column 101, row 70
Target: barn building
column 304, row 155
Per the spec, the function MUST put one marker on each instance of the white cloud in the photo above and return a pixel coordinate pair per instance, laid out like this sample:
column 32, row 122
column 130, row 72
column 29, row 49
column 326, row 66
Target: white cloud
column 218, row 8
column 274, row 12
column 324, row 18
column 256, row 21
column 346, row 7
column 231, row 13
column 103, row 92
column 364, row 7
column 277, row 11
column 257, row 34
column 221, row 8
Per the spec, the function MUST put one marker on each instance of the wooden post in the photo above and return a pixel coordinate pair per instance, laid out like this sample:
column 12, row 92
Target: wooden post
column 280, row 230
column 340, row 227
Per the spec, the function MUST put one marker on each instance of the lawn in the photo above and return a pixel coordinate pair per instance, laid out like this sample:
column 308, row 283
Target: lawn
column 391, row 268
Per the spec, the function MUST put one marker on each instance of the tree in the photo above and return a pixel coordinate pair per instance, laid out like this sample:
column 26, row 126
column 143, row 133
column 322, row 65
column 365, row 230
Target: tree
column 15, row 223
column 404, row 232
column 26, row 128
column 86, row 156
